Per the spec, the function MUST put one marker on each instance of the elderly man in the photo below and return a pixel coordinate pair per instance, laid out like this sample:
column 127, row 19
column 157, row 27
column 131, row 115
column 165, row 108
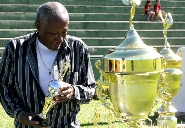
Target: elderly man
column 31, row 61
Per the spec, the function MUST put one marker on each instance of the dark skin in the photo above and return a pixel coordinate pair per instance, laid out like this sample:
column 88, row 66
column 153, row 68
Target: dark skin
column 51, row 35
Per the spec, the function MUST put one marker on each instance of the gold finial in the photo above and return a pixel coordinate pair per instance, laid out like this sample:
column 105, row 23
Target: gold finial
column 132, row 12
column 167, row 23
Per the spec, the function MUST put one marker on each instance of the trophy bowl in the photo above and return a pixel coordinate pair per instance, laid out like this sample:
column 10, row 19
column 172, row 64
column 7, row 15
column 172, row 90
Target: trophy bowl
column 132, row 95
column 172, row 81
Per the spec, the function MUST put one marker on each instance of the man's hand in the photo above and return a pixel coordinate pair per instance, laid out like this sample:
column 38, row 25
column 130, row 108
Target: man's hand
column 65, row 94
column 25, row 118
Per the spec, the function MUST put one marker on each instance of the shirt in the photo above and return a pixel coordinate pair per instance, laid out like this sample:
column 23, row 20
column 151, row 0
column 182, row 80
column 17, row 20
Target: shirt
column 157, row 7
column 20, row 89
column 45, row 59
column 147, row 8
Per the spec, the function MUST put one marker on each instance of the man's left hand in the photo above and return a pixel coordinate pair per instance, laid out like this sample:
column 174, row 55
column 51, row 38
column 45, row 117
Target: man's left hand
column 66, row 93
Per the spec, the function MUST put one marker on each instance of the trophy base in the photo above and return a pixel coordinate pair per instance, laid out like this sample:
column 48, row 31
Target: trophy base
column 42, row 122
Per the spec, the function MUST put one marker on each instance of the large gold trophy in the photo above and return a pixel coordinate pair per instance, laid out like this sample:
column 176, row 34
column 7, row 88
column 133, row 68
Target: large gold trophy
column 170, row 80
column 128, row 83
column 53, row 89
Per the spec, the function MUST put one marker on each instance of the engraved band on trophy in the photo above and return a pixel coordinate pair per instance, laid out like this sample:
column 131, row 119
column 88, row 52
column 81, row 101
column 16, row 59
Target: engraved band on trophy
column 53, row 89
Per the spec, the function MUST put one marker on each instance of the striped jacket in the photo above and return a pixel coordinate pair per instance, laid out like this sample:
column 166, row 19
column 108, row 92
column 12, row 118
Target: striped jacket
column 19, row 83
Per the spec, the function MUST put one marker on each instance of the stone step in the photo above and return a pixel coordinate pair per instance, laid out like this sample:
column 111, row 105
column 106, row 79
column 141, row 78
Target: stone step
column 30, row 16
column 165, row 3
column 115, row 41
column 66, row 2
column 122, row 25
column 104, row 50
column 16, row 24
column 86, row 9
column 122, row 33
column 101, row 51
column 98, row 33
column 17, row 16
column 105, row 25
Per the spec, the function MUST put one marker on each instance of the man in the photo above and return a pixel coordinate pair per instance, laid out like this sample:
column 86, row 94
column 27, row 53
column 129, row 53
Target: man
column 30, row 62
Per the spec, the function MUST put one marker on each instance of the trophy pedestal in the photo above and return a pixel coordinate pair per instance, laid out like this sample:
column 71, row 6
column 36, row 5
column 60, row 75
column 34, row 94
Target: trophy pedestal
column 180, row 125
column 167, row 116
column 168, row 121
column 42, row 122
column 137, row 121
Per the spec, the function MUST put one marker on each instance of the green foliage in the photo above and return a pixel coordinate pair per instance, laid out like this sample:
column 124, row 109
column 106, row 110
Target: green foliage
column 90, row 115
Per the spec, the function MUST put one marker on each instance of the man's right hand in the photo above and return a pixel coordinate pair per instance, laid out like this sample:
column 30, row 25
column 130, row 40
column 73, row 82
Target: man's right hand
column 25, row 118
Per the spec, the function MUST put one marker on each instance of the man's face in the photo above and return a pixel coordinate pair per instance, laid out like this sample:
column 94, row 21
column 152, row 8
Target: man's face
column 52, row 34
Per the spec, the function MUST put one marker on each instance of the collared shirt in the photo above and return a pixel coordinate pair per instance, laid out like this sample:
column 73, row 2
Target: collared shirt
column 20, row 90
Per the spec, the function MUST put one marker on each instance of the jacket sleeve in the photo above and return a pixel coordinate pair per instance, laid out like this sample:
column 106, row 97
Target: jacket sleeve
column 8, row 96
column 85, row 88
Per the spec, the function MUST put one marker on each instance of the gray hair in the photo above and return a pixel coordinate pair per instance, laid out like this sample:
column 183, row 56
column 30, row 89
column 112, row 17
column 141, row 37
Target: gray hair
column 49, row 9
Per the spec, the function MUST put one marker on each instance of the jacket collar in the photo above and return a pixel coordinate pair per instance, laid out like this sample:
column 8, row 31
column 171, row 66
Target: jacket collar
column 32, row 54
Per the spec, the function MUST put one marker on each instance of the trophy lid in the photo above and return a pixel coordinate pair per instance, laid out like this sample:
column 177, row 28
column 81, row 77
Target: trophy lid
column 167, row 108
column 172, row 60
column 132, row 40
column 173, row 71
column 132, row 55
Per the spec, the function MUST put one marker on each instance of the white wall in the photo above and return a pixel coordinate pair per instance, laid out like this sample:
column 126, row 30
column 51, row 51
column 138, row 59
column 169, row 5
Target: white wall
column 179, row 100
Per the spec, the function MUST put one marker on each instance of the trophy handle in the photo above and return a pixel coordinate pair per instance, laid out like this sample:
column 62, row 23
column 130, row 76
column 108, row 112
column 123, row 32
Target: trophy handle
column 179, row 52
column 64, row 70
column 102, row 89
column 49, row 103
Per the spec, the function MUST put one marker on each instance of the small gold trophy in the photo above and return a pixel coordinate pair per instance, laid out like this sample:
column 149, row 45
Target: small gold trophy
column 54, row 88
column 170, row 80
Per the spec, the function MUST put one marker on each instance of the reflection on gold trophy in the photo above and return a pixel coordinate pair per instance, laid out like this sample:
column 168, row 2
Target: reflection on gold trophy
column 128, row 83
column 170, row 80
column 53, row 89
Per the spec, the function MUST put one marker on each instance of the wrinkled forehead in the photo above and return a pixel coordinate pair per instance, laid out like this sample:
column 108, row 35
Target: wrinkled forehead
column 63, row 18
